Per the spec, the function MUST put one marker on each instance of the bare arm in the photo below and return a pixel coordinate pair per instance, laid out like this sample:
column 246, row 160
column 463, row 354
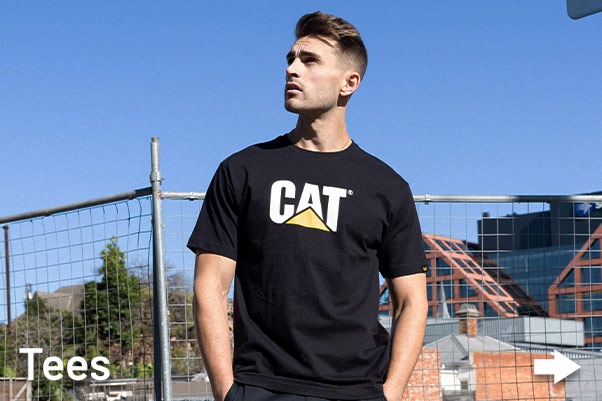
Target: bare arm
column 212, row 279
column 410, row 307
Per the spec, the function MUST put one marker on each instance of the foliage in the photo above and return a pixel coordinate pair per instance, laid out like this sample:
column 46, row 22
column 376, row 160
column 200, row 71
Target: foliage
column 43, row 327
column 143, row 370
column 182, row 333
column 6, row 362
column 49, row 390
column 36, row 306
column 7, row 371
column 115, row 320
column 179, row 299
column 108, row 305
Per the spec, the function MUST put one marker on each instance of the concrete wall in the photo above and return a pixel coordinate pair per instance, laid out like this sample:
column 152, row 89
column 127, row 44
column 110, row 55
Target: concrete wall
column 586, row 383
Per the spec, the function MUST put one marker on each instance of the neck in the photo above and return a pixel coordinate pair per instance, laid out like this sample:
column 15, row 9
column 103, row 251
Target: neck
column 321, row 134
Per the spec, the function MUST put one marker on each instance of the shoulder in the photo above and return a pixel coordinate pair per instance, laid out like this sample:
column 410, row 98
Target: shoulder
column 274, row 145
column 232, row 174
column 380, row 171
column 255, row 153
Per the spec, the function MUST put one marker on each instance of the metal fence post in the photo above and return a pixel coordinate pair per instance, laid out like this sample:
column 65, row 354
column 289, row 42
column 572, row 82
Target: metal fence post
column 162, row 361
column 6, row 254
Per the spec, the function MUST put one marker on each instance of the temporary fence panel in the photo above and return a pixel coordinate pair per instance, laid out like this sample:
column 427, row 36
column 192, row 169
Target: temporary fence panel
column 500, row 254
column 530, row 269
column 511, row 279
column 79, row 289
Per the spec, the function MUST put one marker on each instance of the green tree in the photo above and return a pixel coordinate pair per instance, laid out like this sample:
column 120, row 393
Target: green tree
column 143, row 370
column 179, row 301
column 51, row 330
column 7, row 361
column 184, row 351
column 36, row 306
column 109, row 327
column 48, row 390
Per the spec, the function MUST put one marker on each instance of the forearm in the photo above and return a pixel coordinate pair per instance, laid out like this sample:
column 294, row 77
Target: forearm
column 406, row 343
column 210, row 309
column 410, row 308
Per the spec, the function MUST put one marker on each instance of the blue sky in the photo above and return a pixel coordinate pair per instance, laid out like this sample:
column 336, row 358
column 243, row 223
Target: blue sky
column 463, row 97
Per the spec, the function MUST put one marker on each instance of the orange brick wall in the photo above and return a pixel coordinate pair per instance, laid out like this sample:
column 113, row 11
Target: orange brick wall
column 509, row 376
column 424, row 384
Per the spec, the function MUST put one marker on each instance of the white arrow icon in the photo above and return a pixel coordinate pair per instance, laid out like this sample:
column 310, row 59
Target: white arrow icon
column 560, row 366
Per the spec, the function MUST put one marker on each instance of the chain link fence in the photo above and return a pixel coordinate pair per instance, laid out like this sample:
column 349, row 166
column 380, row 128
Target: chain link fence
column 511, row 280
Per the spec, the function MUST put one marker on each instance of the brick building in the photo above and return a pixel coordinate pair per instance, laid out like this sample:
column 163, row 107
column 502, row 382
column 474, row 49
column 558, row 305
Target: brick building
column 424, row 384
column 509, row 376
column 477, row 367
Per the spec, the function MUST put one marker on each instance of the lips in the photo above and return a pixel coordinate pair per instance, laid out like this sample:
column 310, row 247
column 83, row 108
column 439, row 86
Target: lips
column 292, row 87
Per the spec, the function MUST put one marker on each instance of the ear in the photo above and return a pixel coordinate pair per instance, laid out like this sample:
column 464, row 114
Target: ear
column 352, row 82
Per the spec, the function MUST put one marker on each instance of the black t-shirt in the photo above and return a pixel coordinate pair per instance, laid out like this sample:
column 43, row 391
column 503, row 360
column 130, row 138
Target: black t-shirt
column 310, row 232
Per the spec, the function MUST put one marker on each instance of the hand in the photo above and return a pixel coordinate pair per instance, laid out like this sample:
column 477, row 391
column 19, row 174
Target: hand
column 221, row 392
column 392, row 393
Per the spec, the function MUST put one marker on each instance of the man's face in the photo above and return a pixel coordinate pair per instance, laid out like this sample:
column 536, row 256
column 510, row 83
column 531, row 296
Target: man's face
column 314, row 77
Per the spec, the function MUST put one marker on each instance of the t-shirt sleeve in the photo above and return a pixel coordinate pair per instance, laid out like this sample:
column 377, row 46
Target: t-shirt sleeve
column 402, row 249
column 217, row 225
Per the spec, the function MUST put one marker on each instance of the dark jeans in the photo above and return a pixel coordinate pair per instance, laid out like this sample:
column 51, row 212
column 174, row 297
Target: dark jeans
column 243, row 392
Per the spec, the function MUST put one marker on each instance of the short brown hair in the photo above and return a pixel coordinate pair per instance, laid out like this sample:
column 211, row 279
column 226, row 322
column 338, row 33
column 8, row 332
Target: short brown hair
column 341, row 31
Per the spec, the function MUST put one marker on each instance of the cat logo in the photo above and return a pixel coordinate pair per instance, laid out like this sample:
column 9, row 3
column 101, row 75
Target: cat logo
column 307, row 210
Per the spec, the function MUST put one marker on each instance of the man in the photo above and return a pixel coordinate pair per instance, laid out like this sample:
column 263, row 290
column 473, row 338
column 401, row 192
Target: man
column 304, row 224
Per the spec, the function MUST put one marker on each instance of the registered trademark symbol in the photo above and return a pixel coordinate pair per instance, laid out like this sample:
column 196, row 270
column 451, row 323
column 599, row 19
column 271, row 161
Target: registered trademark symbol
column 350, row 192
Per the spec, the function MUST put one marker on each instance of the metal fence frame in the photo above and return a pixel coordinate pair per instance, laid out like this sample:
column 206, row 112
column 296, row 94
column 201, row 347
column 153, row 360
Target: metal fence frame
column 162, row 357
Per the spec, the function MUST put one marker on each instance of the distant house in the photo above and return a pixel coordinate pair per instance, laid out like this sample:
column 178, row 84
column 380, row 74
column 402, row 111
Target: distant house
column 457, row 371
column 66, row 298
column 480, row 367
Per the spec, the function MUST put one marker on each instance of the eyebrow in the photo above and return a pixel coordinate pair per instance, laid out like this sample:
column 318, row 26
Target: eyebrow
column 302, row 53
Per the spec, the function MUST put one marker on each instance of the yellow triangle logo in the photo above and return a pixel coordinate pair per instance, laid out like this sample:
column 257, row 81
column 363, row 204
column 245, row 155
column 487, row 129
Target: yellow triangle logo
column 309, row 219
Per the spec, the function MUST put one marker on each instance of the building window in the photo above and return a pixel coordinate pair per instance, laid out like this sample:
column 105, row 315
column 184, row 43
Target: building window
column 566, row 303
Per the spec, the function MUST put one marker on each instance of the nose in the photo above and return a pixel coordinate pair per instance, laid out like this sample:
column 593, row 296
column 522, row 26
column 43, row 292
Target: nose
column 292, row 69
